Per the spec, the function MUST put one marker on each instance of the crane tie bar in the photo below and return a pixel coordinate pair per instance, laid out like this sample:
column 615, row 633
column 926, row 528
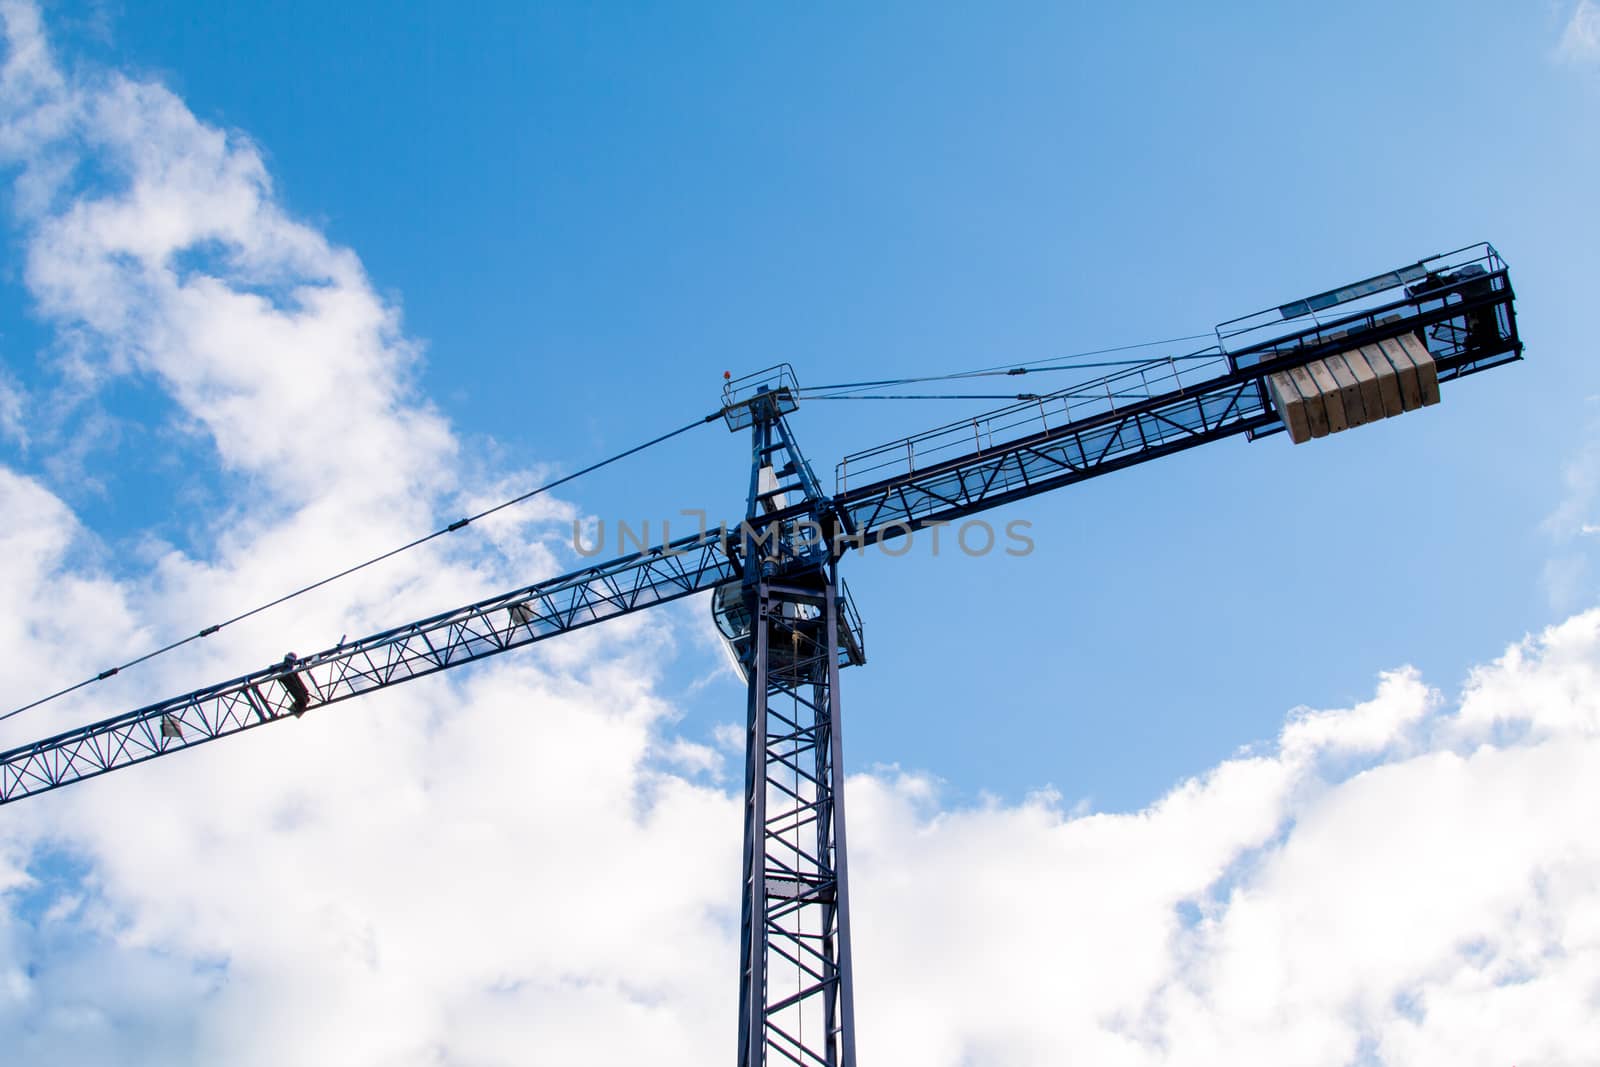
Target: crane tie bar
column 454, row 526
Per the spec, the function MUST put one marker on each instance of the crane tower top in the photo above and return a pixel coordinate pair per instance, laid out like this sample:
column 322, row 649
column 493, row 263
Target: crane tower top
column 773, row 391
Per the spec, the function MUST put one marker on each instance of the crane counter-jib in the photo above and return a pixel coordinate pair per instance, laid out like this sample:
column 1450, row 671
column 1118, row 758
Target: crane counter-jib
column 1371, row 351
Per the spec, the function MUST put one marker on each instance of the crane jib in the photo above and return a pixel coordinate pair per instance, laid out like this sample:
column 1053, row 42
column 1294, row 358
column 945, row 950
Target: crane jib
column 289, row 688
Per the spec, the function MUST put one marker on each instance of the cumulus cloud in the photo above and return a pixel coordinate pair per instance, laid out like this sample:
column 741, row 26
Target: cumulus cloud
column 1431, row 904
column 528, row 863
column 451, row 871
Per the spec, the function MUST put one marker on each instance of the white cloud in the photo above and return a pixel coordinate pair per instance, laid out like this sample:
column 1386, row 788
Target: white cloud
column 1402, row 700
column 526, row 864
column 1285, row 908
column 1580, row 41
column 440, row 868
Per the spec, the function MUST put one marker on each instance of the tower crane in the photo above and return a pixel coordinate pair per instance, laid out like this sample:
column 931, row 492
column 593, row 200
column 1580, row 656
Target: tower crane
column 1370, row 350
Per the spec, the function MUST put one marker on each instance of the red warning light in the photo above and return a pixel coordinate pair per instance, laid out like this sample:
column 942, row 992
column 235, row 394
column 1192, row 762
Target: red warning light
column 727, row 375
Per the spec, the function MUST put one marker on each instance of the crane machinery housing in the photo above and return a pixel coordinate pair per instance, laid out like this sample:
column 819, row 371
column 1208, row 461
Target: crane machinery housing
column 1366, row 351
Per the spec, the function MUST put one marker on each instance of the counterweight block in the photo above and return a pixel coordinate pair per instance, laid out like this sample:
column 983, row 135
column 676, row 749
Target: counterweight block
column 1354, row 387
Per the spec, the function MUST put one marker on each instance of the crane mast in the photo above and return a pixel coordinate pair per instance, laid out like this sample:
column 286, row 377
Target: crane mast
column 1369, row 350
column 788, row 625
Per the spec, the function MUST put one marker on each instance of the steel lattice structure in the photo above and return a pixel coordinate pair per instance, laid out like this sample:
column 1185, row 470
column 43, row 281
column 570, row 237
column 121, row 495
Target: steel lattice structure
column 789, row 619
column 791, row 628
column 291, row 688
column 795, row 988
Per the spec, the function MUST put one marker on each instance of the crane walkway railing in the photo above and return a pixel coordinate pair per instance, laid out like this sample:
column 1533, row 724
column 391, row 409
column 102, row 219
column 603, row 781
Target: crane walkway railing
column 1459, row 306
column 1031, row 415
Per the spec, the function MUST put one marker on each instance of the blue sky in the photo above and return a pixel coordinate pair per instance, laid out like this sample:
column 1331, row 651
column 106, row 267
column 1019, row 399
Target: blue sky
column 587, row 216
column 577, row 218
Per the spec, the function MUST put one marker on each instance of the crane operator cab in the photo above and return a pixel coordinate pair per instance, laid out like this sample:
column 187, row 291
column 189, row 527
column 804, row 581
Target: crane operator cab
column 797, row 634
column 732, row 616
column 734, row 620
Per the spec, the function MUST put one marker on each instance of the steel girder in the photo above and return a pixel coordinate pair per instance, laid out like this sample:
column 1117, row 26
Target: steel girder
column 1047, row 460
column 290, row 688
column 795, row 992
column 1047, row 447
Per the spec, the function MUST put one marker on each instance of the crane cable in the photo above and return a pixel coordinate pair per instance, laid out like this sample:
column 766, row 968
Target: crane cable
column 1012, row 369
column 442, row 531
column 1070, row 394
column 838, row 391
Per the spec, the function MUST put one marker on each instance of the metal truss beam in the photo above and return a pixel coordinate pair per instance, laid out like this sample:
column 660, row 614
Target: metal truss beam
column 1049, row 460
column 294, row 686
column 795, row 993
column 1150, row 424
